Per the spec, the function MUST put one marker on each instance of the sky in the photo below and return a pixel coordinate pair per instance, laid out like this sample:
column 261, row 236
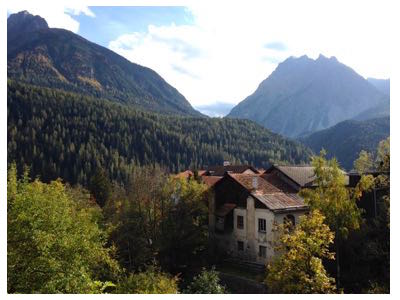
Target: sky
column 217, row 53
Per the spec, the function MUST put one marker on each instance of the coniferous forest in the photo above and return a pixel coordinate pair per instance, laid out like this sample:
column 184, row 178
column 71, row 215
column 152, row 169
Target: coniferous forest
column 66, row 135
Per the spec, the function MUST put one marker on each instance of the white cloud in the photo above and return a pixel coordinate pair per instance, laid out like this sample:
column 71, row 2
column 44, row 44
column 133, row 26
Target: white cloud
column 222, row 55
column 56, row 14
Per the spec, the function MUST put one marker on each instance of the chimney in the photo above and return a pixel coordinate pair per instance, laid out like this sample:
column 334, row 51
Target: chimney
column 255, row 182
column 226, row 163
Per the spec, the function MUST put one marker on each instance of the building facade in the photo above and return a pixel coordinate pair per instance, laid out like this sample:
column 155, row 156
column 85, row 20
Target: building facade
column 244, row 210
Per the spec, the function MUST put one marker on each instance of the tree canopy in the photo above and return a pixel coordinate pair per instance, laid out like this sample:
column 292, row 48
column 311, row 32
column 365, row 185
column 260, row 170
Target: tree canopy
column 299, row 268
column 53, row 245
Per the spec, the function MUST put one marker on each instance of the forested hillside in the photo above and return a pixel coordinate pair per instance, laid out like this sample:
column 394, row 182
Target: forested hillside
column 61, row 134
column 346, row 139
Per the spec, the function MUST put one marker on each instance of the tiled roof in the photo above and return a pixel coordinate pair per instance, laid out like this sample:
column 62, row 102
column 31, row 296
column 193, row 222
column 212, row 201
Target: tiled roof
column 263, row 186
column 271, row 191
column 236, row 169
column 302, row 175
column 211, row 180
column 282, row 201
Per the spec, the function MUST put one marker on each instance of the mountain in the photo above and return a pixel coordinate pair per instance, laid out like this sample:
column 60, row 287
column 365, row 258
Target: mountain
column 303, row 95
column 382, row 109
column 382, row 85
column 68, row 135
column 377, row 111
column 346, row 139
column 58, row 58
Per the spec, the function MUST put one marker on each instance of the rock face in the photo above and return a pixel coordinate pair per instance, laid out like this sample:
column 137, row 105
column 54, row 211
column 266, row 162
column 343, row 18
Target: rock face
column 304, row 95
column 58, row 58
column 24, row 22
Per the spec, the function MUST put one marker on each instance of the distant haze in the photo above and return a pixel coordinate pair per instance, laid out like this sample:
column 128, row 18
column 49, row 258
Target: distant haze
column 218, row 109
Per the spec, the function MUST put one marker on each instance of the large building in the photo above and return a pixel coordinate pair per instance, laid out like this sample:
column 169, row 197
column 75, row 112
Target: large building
column 247, row 203
column 243, row 212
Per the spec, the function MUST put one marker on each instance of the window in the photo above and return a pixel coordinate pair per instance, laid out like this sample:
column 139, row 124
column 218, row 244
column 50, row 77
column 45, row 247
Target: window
column 262, row 252
column 239, row 222
column 240, row 245
column 289, row 218
column 262, row 225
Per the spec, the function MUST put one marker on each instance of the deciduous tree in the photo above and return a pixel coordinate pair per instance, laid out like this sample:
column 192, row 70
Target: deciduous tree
column 150, row 281
column 335, row 200
column 299, row 268
column 53, row 244
column 207, row 282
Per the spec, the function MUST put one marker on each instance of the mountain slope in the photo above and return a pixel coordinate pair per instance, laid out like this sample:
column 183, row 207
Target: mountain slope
column 378, row 111
column 304, row 95
column 382, row 85
column 58, row 58
column 67, row 135
column 346, row 139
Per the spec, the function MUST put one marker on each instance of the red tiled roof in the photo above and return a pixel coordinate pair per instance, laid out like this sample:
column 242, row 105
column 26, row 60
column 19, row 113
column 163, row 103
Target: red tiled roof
column 263, row 186
column 211, row 180
column 272, row 193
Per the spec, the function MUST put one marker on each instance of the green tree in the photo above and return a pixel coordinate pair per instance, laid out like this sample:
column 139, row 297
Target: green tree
column 151, row 281
column 53, row 245
column 100, row 187
column 335, row 200
column 136, row 215
column 159, row 217
column 184, row 227
column 364, row 162
column 207, row 282
column 299, row 268
column 366, row 253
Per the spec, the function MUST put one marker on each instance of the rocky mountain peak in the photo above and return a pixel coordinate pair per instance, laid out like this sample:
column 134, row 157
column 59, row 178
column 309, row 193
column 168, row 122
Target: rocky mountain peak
column 23, row 21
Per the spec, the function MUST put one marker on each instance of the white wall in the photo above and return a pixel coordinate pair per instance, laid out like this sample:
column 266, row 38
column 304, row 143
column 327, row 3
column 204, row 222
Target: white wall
column 250, row 236
column 264, row 239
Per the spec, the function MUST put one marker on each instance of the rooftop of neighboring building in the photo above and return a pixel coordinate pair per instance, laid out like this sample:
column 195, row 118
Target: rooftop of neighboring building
column 235, row 169
column 211, row 180
column 302, row 175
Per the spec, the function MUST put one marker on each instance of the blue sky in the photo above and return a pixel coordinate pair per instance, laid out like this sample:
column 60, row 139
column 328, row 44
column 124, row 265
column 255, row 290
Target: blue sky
column 113, row 21
column 218, row 52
